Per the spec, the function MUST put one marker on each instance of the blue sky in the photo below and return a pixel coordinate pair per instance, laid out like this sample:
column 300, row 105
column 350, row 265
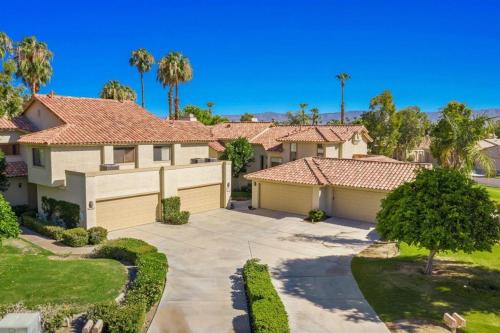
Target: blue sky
column 256, row 56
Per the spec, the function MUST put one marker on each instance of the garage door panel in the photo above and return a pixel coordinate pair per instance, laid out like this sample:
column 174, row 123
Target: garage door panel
column 356, row 204
column 127, row 212
column 200, row 199
column 287, row 198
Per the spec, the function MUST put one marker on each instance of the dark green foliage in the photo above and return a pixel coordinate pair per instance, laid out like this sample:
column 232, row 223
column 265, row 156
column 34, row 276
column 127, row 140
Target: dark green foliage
column 267, row 312
column 51, row 231
column 66, row 211
column 172, row 213
column 246, row 117
column 202, row 115
column 75, row 237
column 4, row 181
column 126, row 318
column 54, row 231
column 441, row 210
column 9, row 227
column 240, row 153
column 413, row 124
column 317, row 215
column 124, row 249
column 97, row 235
column 20, row 209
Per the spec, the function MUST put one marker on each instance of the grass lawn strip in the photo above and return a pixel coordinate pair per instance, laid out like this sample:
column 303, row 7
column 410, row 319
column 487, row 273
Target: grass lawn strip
column 28, row 274
column 465, row 283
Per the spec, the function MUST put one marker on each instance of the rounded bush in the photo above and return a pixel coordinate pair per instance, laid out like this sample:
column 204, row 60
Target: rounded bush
column 75, row 237
column 9, row 227
column 97, row 235
column 124, row 249
column 317, row 215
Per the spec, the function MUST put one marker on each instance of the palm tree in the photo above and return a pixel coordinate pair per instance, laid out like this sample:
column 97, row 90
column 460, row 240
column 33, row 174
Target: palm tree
column 115, row 90
column 143, row 60
column 5, row 45
column 302, row 116
column 167, row 74
column 314, row 116
column 185, row 74
column 342, row 77
column 33, row 63
column 210, row 105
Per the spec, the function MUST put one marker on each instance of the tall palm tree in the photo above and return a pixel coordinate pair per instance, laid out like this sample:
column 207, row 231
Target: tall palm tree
column 342, row 77
column 302, row 116
column 185, row 74
column 115, row 90
column 143, row 61
column 210, row 105
column 5, row 45
column 167, row 74
column 314, row 116
column 33, row 63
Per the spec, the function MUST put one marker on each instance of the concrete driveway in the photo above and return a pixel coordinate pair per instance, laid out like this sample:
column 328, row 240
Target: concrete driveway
column 310, row 265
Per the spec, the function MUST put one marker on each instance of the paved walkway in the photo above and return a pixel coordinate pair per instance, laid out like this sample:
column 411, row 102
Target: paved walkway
column 53, row 245
column 310, row 265
column 488, row 181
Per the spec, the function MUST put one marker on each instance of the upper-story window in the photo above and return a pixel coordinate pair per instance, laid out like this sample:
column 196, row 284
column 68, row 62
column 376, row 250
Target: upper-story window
column 320, row 150
column 124, row 154
column 293, row 151
column 161, row 153
column 10, row 149
column 38, row 157
column 276, row 161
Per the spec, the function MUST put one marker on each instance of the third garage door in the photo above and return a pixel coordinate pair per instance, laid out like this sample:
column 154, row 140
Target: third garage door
column 359, row 205
column 287, row 198
column 201, row 198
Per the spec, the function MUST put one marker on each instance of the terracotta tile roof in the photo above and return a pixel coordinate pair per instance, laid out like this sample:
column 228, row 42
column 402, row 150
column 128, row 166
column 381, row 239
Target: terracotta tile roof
column 378, row 158
column 217, row 146
column 16, row 169
column 375, row 175
column 104, row 121
column 20, row 123
column 324, row 133
column 231, row 131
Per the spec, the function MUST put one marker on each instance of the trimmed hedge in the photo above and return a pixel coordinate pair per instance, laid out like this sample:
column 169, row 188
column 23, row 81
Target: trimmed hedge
column 75, row 237
column 172, row 213
column 97, row 235
column 146, row 290
column 9, row 225
column 68, row 212
column 51, row 231
column 267, row 312
column 317, row 215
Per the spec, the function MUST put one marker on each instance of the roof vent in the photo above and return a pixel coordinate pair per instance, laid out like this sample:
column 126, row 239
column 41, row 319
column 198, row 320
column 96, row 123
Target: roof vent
column 51, row 94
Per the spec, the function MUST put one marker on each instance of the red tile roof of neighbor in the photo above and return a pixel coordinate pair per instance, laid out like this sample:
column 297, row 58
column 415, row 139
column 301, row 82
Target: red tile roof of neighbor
column 20, row 123
column 354, row 173
column 104, row 121
column 271, row 136
column 217, row 146
column 378, row 158
column 16, row 169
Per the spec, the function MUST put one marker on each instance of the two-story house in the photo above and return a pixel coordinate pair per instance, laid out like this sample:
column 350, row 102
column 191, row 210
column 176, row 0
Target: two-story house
column 115, row 160
column 277, row 144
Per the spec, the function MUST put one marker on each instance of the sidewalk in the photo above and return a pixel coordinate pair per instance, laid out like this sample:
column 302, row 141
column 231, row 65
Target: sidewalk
column 53, row 245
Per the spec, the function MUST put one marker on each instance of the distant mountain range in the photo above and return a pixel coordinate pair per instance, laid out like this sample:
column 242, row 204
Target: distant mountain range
column 350, row 115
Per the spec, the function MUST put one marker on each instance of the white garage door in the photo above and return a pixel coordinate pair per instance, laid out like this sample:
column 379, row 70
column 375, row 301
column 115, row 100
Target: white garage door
column 200, row 199
column 356, row 204
column 287, row 198
column 127, row 212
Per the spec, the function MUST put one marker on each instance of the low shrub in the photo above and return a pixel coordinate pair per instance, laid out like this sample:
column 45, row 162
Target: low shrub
column 9, row 226
column 20, row 209
column 97, row 235
column 179, row 218
column 317, row 215
column 75, row 237
column 267, row 312
column 125, row 318
column 124, row 249
column 54, row 232
column 51, row 231
column 172, row 213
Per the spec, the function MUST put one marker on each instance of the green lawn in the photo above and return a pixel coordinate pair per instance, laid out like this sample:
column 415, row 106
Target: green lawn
column 494, row 193
column 28, row 275
column 240, row 196
column 465, row 283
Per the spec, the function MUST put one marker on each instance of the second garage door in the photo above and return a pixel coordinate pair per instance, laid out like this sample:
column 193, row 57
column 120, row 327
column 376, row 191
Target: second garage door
column 200, row 199
column 356, row 204
column 287, row 198
column 127, row 212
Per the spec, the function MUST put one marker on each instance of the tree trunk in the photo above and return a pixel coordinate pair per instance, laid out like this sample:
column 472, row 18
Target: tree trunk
column 428, row 267
column 142, row 90
column 342, row 111
column 170, row 102
column 33, row 89
column 177, row 101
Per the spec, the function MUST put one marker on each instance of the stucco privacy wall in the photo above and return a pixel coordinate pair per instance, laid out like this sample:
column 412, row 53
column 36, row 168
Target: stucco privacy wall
column 184, row 153
column 83, row 159
column 17, row 193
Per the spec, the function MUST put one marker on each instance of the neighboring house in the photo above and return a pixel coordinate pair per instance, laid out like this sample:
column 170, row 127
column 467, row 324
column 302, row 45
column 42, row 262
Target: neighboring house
column 347, row 188
column 277, row 144
column 422, row 153
column 115, row 160
column 490, row 147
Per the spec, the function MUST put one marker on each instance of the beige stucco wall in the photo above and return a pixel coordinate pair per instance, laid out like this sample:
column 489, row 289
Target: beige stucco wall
column 332, row 151
column 350, row 148
column 82, row 159
column 17, row 193
column 306, row 150
column 189, row 176
column 36, row 174
column 184, row 153
column 41, row 117
column 214, row 153
column 110, row 184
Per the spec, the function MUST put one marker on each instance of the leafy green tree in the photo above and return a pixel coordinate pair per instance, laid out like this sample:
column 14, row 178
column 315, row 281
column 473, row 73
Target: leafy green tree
column 9, row 227
column 143, row 61
column 298, row 118
column 333, row 122
column 314, row 116
column 33, row 63
column 246, row 117
column 441, row 210
column 240, row 153
column 117, row 91
column 413, row 125
column 496, row 128
column 203, row 116
column 342, row 77
column 11, row 95
column 454, row 139
column 382, row 124
column 4, row 181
